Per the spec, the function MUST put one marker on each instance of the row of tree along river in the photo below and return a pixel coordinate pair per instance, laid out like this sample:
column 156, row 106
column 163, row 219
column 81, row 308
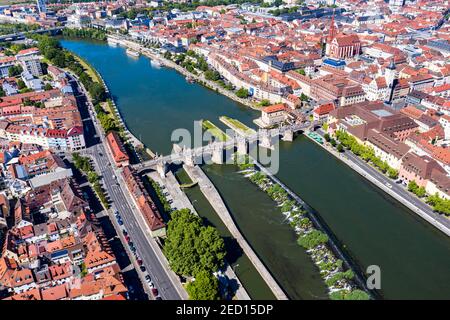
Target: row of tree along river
column 414, row 258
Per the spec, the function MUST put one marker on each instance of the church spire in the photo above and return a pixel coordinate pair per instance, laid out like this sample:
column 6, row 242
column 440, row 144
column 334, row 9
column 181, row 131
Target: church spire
column 332, row 31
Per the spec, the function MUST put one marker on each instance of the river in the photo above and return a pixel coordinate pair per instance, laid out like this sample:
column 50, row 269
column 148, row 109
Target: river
column 376, row 230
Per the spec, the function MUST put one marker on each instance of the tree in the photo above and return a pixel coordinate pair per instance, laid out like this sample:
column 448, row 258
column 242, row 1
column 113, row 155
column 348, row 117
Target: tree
column 2, row 92
column 242, row 93
column 191, row 247
column 212, row 75
column 412, row 186
column 312, row 239
column 340, row 148
column 20, row 84
column 48, row 86
column 264, row 103
column 349, row 295
column 92, row 176
column 97, row 92
column 167, row 55
column 302, row 72
column 421, row 192
column 327, row 137
column 392, row 173
column 304, row 97
column 439, row 204
column 15, row 70
column 333, row 142
column 205, row 287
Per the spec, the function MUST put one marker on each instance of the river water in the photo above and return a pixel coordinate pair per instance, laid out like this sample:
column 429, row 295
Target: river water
column 414, row 258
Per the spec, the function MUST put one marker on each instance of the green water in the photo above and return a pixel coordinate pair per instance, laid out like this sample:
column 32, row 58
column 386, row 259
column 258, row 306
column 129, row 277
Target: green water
column 414, row 258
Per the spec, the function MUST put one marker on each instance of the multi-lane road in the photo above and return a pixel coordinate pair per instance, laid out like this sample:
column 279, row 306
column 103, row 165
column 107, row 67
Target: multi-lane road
column 396, row 190
column 163, row 278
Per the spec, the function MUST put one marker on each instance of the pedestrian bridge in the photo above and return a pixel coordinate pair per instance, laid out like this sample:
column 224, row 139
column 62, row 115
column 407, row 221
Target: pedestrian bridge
column 191, row 156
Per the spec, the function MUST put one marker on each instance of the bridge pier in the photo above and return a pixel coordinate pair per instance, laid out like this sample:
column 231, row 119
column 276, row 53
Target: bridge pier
column 161, row 168
column 188, row 158
column 288, row 135
column 217, row 154
column 176, row 148
column 242, row 145
column 265, row 139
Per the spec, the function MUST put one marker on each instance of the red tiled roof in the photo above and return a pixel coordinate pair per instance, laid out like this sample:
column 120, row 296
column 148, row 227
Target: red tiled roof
column 324, row 109
column 274, row 108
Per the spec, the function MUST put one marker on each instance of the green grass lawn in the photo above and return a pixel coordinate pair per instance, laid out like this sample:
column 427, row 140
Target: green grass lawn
column 214, row 130
column 237, row 125
column 88, row 69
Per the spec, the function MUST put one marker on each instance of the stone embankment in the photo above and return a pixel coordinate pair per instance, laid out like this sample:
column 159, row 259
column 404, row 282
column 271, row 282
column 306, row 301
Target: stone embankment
column 212, row 195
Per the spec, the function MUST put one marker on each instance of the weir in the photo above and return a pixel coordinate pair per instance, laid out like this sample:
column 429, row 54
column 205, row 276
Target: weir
column 212, row 195
column 359, row 278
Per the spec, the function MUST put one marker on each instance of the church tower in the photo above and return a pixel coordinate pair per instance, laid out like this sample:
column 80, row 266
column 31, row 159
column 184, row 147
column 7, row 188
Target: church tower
column 391, row 73
column 391, row 76
column 331, row 35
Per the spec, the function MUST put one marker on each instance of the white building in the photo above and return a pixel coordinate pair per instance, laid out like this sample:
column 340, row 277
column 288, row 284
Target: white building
column 32, row 64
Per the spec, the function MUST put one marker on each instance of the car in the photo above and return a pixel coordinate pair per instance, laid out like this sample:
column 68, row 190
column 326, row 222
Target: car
column 100, row 154
column 388, row 185
column 155, row 292
column 143, row 268
column 139, row 261
column 158, row 298
column 120, row 222
column 125, row 233
column 127, row 238
column 133, row 249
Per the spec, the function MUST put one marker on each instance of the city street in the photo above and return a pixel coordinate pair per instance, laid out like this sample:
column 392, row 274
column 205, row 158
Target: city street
column 395, row 188
column 168, row 286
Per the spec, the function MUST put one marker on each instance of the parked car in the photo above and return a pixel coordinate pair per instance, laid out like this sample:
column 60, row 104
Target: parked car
column 155, row 292
column 148, row 279
column 388, row 185
column 125, row 233
column 127, row 238
column 143, row 268
column 158, row 298
column 120, row 222
column 139, row 261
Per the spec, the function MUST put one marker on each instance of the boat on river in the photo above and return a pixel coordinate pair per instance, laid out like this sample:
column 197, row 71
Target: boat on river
column 133, row 53
column 155, row 63
column 112, row 42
